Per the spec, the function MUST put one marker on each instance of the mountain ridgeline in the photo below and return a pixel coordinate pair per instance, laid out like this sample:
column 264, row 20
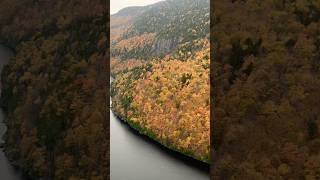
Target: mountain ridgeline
column 160, row 58
column 162, row 27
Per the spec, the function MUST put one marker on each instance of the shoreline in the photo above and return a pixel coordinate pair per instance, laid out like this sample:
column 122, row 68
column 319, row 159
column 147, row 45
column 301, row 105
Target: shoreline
column 201, row 165
column 3, row 145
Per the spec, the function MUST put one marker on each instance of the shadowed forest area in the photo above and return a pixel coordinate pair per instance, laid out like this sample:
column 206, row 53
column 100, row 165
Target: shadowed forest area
column 266, row 84
column 54, row 89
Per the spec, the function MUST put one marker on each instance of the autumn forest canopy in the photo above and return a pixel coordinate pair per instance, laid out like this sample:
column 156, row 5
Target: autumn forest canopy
column 160, row 58
column 54, row 88
column 266, row 84
column 261, row 86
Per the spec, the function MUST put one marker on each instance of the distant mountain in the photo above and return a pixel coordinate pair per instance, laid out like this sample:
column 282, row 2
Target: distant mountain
column 122, row 20
column 161, row 28
column 130, row 11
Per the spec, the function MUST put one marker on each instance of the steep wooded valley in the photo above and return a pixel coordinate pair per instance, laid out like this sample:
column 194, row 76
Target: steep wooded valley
column 160, row 61
column 264, row 77
column 54, row 89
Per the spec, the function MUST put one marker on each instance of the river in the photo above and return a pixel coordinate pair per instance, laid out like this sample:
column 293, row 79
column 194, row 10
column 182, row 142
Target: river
column 135, row 157
column 7, row 171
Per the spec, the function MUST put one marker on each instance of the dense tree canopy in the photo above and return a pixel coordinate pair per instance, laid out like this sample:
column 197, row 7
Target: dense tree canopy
column 54, row 89
column 266, row 87
column 169, row 101
column 160, row 63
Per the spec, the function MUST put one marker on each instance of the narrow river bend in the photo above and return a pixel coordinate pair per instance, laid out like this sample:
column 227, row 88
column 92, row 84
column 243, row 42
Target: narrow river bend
column 136, row 157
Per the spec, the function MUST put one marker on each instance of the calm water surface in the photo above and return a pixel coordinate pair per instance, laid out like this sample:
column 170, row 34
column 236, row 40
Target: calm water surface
column 136, row 157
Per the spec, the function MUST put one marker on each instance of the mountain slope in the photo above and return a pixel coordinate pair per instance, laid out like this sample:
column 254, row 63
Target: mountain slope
column 162, row 27
column 121, row 21
column 161, row 69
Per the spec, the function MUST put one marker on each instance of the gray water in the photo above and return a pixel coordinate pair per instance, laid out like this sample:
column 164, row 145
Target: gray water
column 7, row 171
column 134, row 157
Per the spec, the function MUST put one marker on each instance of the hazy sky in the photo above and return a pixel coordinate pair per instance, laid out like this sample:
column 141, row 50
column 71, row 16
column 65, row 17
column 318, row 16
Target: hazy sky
column 116, row 5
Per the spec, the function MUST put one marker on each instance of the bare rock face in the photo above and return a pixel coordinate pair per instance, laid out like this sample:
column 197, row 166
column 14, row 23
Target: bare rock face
column 165, row 46
column 172, row 23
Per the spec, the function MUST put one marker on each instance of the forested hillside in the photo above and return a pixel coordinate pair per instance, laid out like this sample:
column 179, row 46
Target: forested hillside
column 266, row 84
column 160, row 62
column 162, row 27
column 54, row 89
